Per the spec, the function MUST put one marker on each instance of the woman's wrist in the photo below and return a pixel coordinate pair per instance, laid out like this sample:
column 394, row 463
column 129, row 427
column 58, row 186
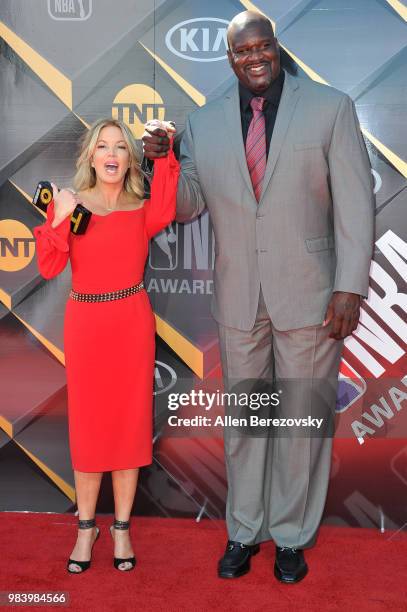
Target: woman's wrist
column 57, row 221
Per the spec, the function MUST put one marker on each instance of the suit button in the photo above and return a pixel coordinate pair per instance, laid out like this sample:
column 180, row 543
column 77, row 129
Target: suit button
column 263, row 250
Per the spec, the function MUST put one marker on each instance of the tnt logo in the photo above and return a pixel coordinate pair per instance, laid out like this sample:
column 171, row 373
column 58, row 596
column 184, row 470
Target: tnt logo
column 164, row 249
column 351, row 387
column 137, row 104
column 17, row 245
column 70, row 10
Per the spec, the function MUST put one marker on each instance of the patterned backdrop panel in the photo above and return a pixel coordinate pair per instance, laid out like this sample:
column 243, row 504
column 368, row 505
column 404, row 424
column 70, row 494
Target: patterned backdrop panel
column 66, row 63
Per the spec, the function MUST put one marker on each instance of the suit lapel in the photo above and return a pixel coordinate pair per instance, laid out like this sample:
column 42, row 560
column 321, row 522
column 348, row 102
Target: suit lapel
column 231, row 107
column 288, row 102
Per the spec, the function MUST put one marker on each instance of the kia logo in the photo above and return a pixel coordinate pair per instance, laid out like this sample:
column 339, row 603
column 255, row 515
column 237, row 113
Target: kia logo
column 202, row 39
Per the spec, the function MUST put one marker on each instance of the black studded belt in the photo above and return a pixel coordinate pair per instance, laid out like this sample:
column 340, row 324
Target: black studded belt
column 106, row 297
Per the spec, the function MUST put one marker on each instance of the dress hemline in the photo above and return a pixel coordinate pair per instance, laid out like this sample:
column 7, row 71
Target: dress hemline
column 113, row 469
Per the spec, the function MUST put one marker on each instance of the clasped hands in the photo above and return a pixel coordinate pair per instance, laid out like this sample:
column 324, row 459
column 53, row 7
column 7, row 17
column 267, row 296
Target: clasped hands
column 157, row 138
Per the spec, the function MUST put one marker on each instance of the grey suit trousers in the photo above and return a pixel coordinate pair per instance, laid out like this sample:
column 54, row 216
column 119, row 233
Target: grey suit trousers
column 278, row 476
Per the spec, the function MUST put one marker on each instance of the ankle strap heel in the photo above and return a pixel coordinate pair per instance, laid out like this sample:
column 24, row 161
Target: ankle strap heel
column 83, row 565
column 118, row 562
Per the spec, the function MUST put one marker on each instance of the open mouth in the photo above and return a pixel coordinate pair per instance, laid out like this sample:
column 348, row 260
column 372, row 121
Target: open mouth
column 111, row 167
column 257, row 69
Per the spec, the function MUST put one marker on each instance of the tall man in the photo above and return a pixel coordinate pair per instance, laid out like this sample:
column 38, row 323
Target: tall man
column 282, row 167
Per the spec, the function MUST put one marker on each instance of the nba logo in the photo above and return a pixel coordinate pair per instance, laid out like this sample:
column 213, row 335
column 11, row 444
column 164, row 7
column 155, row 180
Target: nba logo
column 70, row 10
column 164, row 249
column 351, row 387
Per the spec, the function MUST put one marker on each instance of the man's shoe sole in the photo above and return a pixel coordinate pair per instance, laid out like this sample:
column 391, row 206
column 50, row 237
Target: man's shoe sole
column 242, row 572
column 280, row 576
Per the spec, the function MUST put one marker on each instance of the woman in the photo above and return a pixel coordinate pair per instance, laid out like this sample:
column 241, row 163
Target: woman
column 109, row 325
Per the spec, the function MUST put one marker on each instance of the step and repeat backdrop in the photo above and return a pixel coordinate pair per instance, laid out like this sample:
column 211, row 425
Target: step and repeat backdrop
column 66, row 63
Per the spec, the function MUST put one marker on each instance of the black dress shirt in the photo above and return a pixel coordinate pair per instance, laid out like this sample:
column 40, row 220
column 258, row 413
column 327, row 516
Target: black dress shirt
column 272, row 96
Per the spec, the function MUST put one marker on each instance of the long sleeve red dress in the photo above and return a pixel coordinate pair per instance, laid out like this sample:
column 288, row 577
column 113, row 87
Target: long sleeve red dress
column 110, row 346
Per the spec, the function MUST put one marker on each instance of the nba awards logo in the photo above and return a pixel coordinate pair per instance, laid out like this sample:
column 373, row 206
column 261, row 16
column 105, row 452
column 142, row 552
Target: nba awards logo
column 177, row 253
column 165, row 255
column 135, row 105
column 70, row 10
column 17, row 245
column 351, row 387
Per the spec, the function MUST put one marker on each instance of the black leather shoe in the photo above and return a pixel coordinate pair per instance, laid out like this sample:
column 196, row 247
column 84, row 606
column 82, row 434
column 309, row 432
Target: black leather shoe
column 290, row 565
column 236, row 560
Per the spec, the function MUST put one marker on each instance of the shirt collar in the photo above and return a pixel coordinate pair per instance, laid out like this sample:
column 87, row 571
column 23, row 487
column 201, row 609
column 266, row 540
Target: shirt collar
column 272, row 94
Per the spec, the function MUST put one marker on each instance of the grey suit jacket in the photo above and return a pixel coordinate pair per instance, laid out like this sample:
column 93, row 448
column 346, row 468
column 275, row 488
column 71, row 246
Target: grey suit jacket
column 311, row 232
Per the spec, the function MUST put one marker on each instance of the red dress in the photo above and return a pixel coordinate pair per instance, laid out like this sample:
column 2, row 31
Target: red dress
column 110, row 346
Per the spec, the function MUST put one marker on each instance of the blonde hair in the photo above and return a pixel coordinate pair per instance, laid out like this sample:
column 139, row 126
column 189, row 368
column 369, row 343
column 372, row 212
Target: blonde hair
column 85, row 176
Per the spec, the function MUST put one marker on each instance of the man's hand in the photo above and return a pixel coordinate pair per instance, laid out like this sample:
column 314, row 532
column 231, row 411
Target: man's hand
column 156, row 142
column 343, row 311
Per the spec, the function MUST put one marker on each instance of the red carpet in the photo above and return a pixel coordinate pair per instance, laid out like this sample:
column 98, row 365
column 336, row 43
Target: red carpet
column 350, row 569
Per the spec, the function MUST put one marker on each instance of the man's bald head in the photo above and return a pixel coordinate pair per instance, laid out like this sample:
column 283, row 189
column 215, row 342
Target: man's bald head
column 253, row 51
column 244, row 19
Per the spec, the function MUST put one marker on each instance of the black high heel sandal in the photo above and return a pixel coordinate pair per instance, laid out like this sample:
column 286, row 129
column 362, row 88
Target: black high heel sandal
column 84, row 565
column 116, row 560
